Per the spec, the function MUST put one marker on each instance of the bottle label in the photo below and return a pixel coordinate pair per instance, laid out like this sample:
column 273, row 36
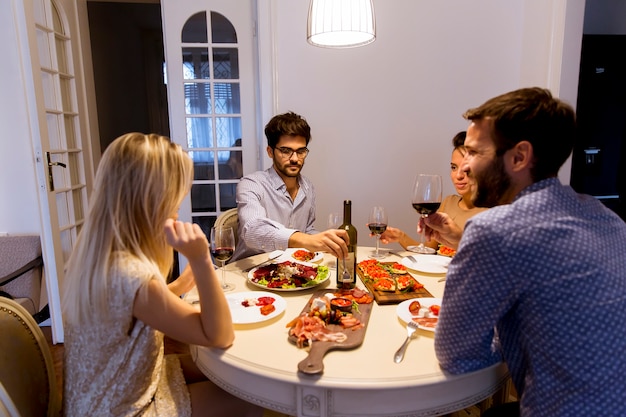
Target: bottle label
column 346, row 280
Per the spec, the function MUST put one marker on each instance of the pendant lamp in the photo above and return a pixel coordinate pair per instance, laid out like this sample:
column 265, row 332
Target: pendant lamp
column 341, row 23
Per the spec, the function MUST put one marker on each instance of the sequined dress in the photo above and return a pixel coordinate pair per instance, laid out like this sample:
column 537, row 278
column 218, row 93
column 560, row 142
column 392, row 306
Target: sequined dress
column 117, row 367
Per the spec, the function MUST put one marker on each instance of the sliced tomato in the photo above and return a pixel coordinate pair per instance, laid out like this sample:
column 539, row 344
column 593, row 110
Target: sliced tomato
column 405, row 281
column 267, row 309
column 262, row 301
column 303, row 255
column 384, row 284
column 414, row 307
column 435, row 309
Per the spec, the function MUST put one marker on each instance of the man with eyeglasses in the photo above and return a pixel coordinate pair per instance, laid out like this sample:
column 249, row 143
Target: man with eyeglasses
column 276, row 207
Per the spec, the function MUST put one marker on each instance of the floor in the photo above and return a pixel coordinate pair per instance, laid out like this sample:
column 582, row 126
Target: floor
column 172, row 346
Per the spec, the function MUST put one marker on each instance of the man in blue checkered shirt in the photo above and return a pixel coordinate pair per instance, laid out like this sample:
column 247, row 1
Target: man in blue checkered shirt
column 538, row 281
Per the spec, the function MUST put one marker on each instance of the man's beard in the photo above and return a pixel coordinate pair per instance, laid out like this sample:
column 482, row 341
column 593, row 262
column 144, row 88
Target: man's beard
column 283, row 169
column 491, row 184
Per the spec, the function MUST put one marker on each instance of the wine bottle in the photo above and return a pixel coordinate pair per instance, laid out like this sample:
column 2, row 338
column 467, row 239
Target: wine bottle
column 347, row 281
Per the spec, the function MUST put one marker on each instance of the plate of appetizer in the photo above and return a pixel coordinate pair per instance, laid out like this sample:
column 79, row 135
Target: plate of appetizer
column 254, row 306
column 301, row 255
column 446, row 251
column 330, row 320
column 423, row 311
column 288, row 276
column 431, row 264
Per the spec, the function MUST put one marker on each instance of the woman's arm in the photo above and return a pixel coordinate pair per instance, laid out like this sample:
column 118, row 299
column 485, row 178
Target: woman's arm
column 163, row 310
column 184, row 283
column 397, row 235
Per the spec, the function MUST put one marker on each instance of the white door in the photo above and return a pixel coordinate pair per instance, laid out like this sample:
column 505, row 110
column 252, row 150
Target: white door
column 210, row 70
column 59, row 137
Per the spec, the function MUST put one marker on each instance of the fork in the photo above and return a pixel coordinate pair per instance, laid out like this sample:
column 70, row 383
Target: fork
column 411, row 327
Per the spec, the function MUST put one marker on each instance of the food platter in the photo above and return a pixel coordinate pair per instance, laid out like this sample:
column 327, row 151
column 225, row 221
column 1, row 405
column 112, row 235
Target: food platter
column 313, row 363
column 393, row 295
column 323, row 274
column 291, row 254
column 252, row 314
column 430, row 264
column 402, row 310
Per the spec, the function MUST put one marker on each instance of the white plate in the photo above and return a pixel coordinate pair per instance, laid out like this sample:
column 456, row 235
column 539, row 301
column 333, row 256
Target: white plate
column 245, row 315
column 288, row 256
column 432, row 264
column 402, row 310
column 277, row 261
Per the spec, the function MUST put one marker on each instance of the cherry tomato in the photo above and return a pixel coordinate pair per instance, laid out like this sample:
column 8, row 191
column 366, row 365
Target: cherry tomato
column 414, row 307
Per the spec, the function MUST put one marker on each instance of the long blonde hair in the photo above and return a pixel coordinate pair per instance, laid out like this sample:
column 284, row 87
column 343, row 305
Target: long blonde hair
column 140, row 183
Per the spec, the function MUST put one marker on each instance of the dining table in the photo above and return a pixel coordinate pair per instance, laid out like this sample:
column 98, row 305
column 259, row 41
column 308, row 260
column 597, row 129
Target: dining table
column 262, row 365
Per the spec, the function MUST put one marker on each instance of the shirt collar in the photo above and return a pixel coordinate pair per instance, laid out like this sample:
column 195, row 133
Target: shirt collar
column 537, row 186
column 276, row 181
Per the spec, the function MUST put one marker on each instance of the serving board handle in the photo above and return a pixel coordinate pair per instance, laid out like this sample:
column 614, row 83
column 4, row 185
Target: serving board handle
column 313, row 363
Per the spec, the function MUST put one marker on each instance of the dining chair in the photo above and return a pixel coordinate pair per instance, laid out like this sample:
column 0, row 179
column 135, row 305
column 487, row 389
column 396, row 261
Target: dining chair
column 229, row 218
column 26, row 367
column 7, row 408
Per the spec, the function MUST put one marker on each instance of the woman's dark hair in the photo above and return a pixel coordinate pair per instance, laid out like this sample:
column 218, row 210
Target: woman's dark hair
column 458, row 141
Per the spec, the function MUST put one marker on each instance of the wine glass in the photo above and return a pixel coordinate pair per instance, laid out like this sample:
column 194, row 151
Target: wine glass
column 426, row 200
column 222, row 248
column 334, row 220
column 377, row 224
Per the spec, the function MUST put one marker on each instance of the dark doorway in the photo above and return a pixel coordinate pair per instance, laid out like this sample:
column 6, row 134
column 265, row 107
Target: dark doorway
column 128, row 61
column 600, row 150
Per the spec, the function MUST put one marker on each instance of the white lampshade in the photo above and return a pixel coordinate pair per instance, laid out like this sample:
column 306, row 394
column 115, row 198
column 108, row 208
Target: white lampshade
column 341, row 23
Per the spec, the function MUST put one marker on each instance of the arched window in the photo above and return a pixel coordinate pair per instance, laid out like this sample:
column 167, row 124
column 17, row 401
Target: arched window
column 213, row 119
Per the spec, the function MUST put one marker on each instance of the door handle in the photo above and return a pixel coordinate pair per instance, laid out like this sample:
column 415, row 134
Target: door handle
column 50, row 165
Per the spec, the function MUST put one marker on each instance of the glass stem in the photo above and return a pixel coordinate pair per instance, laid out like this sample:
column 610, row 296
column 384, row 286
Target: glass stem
column 223, row 274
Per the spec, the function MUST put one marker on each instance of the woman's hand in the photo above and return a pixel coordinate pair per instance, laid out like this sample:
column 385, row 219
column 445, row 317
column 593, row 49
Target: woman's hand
column 187, row 238
column 390, row 235
column 440, row 227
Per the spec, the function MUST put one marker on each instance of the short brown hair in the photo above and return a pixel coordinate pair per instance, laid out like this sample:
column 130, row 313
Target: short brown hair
column 290, row 124
column 533, row 115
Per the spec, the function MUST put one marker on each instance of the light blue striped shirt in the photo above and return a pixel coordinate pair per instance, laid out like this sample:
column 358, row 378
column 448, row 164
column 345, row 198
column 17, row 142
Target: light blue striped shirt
column 267, row 214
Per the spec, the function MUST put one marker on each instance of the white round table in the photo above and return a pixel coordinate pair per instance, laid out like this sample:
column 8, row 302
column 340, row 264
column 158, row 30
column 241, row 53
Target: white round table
column 262, row 365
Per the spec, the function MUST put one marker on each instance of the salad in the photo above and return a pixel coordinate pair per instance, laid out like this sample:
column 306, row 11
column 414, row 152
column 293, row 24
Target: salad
column 289, row 275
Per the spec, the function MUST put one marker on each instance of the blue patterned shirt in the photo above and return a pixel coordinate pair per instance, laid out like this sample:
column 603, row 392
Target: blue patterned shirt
column 267, row 214
column 541, row 284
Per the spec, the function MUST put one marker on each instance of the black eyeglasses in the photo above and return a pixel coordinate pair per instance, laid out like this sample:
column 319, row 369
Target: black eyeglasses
column 287, row 153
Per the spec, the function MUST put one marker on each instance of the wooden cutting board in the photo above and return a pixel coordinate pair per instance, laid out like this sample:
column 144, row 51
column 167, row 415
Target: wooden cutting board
column 313, row 363
column 388, row 297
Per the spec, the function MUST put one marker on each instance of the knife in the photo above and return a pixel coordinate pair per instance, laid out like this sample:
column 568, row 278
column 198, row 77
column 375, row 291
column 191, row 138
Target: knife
column 272, row 256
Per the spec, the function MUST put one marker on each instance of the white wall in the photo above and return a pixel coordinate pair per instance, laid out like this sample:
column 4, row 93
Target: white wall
column 379, row 114
column 19, row 210
column 382, row 113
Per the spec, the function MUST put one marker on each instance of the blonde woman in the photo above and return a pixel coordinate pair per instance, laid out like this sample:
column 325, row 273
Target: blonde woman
column 117, row 306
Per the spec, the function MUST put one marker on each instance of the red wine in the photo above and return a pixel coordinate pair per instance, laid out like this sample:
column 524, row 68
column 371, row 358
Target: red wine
column 377, row 228
column 426, row 208
column 222, row 254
